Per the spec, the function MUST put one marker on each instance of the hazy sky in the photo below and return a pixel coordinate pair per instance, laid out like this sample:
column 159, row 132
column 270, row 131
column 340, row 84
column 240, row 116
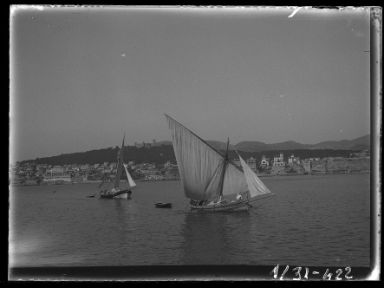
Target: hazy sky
column 82, row 77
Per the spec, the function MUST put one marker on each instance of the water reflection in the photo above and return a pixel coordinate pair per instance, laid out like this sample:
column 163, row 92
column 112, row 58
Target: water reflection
column 204, row 238
column 119, row 207
column 125, row 210
column 208, row 237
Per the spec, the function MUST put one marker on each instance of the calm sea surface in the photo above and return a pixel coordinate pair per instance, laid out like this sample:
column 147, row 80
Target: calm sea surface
column 311, row 220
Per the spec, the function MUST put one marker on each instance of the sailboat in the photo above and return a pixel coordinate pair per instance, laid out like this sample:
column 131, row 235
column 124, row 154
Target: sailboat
column 117, row 191
column 210, row 179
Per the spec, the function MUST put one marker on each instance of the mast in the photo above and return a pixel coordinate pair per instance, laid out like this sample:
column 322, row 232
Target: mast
column 120, row 158
column 223, row 172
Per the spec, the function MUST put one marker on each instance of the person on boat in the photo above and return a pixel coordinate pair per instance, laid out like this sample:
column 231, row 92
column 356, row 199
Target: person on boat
column 129, row 194
column 239, row 197
column 194, row 202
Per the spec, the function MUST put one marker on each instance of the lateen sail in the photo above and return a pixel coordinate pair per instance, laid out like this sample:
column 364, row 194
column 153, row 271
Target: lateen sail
column 130, row 180
column 255, row 186
column 201, row 166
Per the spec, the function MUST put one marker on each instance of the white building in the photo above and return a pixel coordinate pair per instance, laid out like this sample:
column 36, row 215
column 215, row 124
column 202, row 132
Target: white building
column 279, row 160
column 264, row 163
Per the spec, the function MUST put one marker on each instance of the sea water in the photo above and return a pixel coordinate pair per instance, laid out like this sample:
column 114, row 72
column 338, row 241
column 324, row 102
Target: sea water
column 310, row 220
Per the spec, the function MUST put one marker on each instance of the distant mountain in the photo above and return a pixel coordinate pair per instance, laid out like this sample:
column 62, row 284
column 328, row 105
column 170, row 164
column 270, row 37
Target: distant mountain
column 288, row 145
column 360, row 143
column 161, row 152
column 251, row 146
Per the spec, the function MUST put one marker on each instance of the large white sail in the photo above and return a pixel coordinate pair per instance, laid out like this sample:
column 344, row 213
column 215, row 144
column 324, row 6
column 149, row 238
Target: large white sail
column 255, row 186
column 201, row 166
column 130, row 180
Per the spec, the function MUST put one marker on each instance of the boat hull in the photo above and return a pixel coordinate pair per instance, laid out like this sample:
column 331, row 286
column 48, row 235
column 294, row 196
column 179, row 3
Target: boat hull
column 123, row 194
column 233, row 206
column 163, row 205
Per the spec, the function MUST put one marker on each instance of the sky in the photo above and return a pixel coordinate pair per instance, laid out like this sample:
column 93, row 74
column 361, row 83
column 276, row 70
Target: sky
column 82, row 77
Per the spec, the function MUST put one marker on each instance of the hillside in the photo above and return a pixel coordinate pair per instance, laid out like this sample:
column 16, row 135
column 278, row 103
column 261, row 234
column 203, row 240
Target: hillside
column 360, row 143
column 157, row 154
column 163, row 152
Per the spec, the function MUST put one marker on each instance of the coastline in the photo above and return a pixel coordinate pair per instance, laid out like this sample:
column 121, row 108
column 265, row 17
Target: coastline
column 178, row 179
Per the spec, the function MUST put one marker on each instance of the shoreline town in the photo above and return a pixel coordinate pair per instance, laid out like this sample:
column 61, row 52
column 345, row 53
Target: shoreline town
column 30, row 173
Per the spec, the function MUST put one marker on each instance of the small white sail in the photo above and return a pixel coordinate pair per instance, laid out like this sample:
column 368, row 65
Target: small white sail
column 130, row 180
column 255, row 186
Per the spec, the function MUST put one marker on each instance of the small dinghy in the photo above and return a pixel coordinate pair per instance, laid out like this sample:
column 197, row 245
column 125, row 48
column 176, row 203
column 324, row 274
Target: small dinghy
column 163, row 205
column 91, row 196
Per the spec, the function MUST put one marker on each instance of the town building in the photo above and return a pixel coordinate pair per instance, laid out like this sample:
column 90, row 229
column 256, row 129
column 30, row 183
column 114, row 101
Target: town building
column 264, row 163
column 278, row 161
column 292, row 160
column 361, row 154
